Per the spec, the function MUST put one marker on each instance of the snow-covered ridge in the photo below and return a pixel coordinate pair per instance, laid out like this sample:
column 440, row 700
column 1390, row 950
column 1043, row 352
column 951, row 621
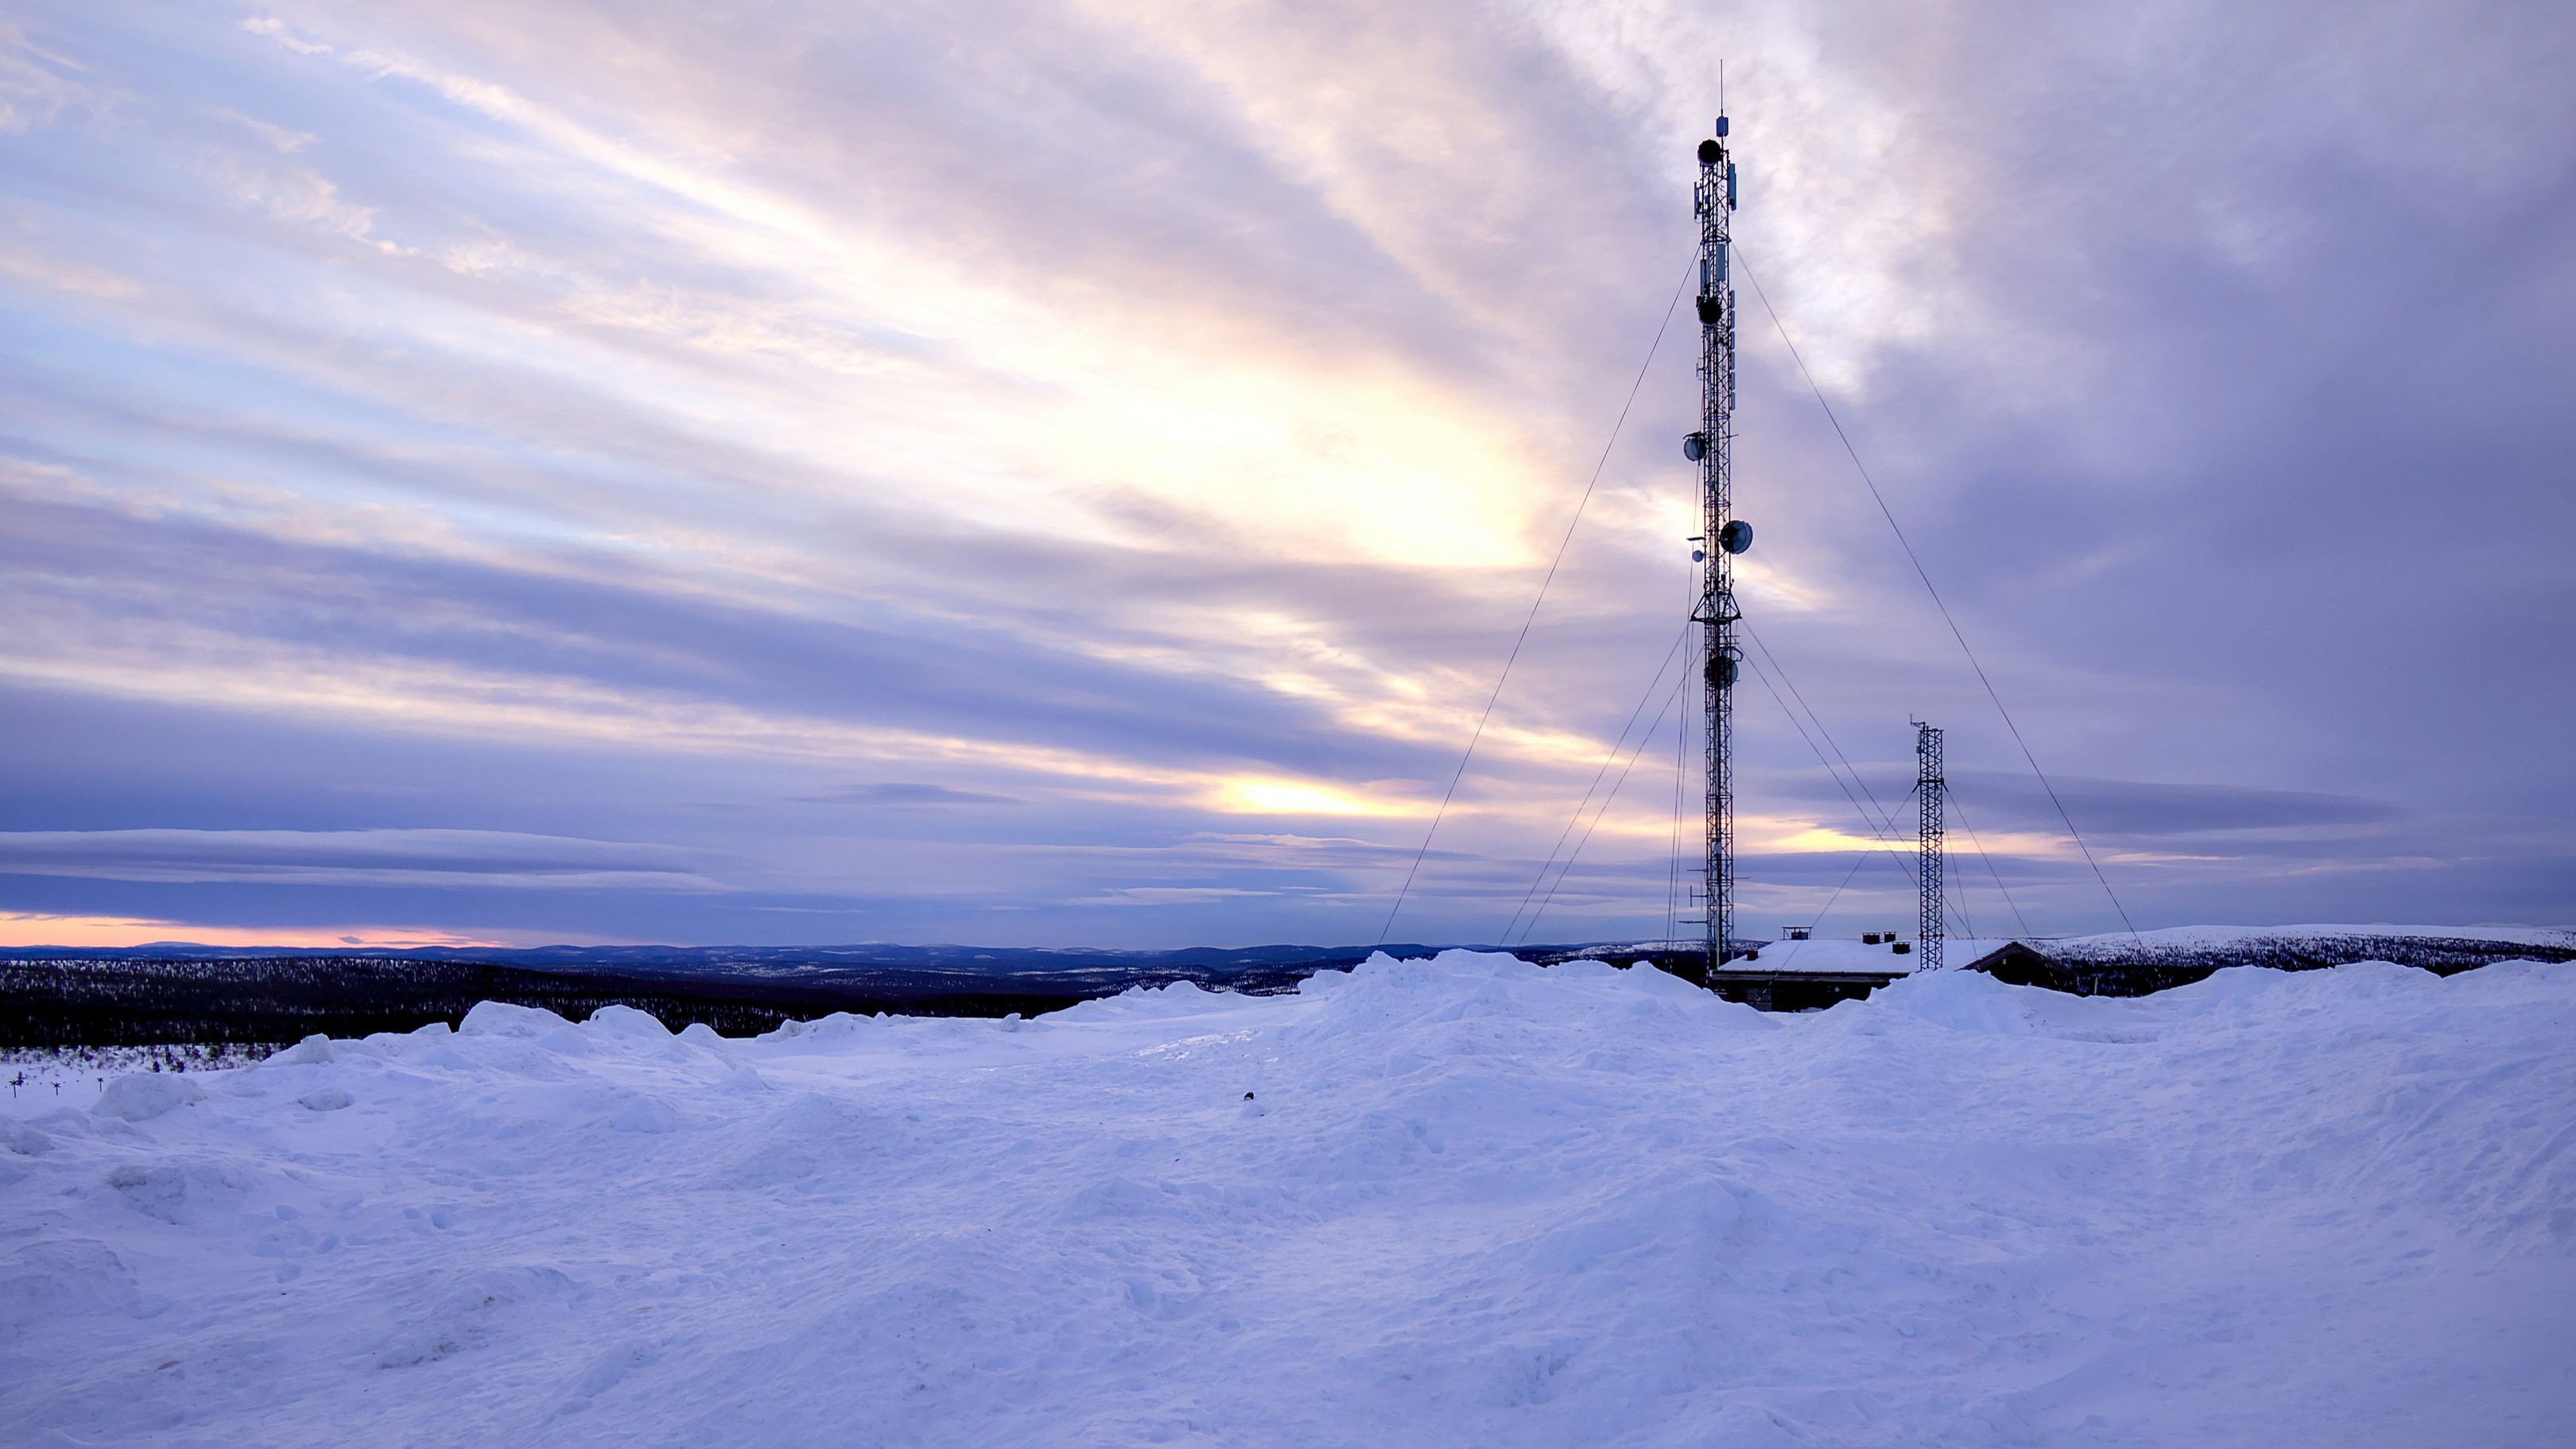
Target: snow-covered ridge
column 1461, row 1201
column 2254, row 939
column 2154, row 960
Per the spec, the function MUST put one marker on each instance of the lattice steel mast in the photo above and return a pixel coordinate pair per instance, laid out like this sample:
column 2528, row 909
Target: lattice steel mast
column 1928, row 787
column 1722, row 535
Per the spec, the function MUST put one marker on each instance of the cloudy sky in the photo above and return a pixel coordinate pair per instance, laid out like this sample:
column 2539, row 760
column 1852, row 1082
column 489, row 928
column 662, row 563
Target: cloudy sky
column 1035, row 473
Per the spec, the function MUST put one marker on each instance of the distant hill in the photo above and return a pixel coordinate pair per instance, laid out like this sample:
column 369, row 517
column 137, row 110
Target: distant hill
column 779, row 960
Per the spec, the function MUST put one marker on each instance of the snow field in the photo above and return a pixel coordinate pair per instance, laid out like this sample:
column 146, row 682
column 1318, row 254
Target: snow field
column 1469, row 1202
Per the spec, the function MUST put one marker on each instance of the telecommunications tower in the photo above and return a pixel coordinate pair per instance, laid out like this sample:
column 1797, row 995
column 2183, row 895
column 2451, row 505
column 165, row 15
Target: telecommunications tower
column 1722, row 535
column 1928, row 786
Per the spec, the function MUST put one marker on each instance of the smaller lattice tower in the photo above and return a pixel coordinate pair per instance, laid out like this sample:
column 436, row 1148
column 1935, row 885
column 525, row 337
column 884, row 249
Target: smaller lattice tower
column 1927, row 794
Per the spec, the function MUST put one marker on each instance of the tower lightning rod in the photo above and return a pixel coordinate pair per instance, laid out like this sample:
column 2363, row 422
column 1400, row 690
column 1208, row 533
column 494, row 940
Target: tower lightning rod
column 1723, row 535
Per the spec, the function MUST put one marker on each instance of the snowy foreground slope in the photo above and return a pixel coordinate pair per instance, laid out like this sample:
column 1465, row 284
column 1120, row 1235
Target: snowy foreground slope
column 1470, row 1202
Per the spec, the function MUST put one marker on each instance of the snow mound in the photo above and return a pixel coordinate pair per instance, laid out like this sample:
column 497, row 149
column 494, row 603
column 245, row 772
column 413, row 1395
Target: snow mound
column 312, row 1051
column 141, row 1096
column 627, row 1021
column 495, row 1018
column 62, row 1278
column 1454, row 1201
column 23, row 1138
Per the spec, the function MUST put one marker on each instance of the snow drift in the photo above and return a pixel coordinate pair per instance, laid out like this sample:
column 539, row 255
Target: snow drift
column 1461, row 1201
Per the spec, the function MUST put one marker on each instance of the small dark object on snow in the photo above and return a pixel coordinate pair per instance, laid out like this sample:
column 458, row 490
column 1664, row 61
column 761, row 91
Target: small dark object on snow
column 1247, row 1096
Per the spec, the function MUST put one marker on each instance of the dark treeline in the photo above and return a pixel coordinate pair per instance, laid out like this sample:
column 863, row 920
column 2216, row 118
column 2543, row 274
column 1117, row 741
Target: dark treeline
column 134, row 1001
column 155, row 1057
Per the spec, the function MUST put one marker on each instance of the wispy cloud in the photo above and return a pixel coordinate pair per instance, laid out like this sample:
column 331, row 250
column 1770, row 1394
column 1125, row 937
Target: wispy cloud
column 435, row 858
column 937, row 471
